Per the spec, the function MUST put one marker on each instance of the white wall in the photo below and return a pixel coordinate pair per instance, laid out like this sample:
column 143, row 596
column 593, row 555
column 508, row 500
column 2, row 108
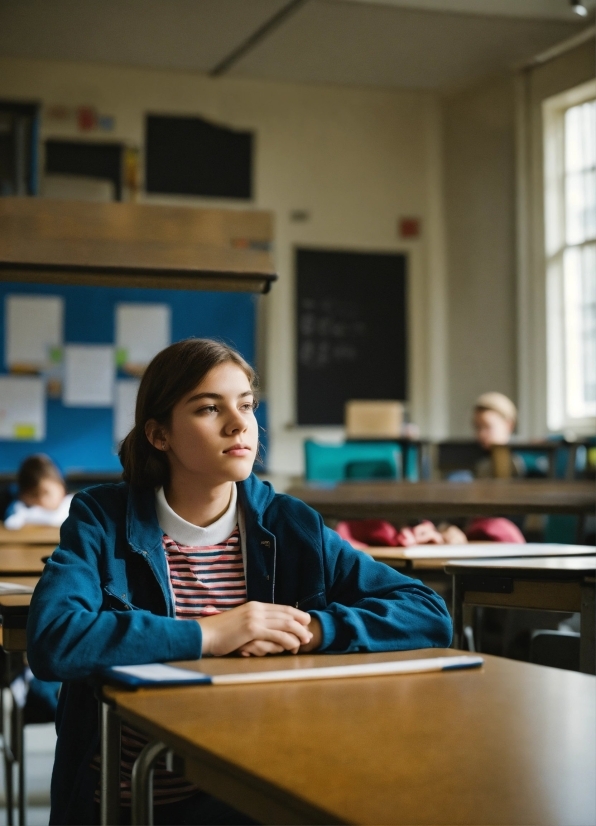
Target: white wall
column 479, row 152
column 355, row 159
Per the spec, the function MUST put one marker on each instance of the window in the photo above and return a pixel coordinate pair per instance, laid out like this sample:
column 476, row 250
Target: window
column 570, row 240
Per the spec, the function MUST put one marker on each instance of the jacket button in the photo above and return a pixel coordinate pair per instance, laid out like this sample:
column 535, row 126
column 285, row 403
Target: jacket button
column 266, row 543
column 267, row 577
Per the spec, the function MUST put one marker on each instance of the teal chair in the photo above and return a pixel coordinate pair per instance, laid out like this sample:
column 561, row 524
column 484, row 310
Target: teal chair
column 352, row 460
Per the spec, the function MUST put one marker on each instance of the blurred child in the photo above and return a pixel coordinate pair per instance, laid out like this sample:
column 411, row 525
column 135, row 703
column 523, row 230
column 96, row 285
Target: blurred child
column 42, row 497
column 494, row 419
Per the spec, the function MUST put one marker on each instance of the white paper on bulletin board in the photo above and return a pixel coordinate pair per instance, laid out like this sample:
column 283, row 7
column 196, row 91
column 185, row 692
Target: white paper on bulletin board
column 34, row 327
column 142, row 330
column 89, row 372
column 22, row 408
column 124, row 407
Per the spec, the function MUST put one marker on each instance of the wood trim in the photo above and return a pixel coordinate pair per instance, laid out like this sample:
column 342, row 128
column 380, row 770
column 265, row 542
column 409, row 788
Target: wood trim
column 533, row 594
column 139, row 277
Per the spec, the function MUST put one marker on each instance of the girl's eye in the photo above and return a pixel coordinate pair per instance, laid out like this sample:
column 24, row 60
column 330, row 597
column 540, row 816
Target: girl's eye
column 210, row 408
column 248, row 406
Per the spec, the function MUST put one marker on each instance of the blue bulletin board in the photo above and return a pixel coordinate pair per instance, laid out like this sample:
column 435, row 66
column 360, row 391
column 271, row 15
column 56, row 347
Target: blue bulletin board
column 81, row 439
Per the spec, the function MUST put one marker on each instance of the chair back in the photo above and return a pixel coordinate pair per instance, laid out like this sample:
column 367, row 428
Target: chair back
column 352, row 460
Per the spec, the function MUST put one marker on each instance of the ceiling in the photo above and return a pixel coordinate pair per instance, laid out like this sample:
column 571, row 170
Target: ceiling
column 423, row 44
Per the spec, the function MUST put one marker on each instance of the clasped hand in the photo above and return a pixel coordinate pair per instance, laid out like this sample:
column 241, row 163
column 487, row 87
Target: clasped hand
column 259, row 628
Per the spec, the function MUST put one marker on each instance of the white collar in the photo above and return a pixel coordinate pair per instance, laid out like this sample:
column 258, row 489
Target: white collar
column 194, row 536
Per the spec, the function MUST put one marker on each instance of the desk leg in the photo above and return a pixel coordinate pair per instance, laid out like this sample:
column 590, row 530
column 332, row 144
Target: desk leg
column 141, row 787
column 458, row 612
column 110, row 767
column 587, row 648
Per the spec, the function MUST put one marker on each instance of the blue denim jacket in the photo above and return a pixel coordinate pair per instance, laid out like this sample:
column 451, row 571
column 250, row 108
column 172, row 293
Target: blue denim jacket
column 104, row 599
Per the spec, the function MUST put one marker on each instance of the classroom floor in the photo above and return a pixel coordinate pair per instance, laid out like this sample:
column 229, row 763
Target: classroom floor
column 40, row 741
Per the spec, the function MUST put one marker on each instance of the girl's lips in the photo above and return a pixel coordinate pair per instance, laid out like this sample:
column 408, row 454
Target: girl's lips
column 239, row 450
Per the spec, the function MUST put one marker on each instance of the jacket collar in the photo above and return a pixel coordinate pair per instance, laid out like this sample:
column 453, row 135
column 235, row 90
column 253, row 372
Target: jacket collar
column 144, row 536
column 142, row 528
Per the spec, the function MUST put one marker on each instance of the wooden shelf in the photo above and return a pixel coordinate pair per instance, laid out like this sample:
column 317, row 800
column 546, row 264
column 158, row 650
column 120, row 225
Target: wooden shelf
column 135, row 245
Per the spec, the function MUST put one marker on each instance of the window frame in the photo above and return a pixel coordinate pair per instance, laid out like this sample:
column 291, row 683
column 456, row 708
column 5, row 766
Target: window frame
column 555, row 245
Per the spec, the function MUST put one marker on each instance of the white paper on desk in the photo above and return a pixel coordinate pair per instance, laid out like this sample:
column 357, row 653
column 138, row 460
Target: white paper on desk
column 13, row 588
column 157, row 672
column 124, row 407
column 89, row 372
column 142, row 330
column 22, row 408
column 34, row 325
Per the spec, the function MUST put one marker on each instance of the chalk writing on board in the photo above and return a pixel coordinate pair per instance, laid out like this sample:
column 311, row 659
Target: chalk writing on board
column 329, row 332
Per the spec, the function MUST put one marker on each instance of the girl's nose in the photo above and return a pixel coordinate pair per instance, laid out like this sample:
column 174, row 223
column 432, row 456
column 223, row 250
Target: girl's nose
column 235, row 423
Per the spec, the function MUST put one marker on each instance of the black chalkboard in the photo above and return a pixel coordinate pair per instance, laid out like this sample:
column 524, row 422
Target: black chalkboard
column 351, row 331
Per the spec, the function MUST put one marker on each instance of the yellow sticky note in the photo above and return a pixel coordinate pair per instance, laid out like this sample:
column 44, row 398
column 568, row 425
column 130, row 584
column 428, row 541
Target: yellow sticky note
column 24, row 431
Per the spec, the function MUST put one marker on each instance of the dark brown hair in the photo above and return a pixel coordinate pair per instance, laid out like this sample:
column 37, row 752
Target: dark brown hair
column 34, row 469
column 172, row 374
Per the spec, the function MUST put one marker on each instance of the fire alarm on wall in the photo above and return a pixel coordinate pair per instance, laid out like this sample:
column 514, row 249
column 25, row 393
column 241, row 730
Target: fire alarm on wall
column 409, row 227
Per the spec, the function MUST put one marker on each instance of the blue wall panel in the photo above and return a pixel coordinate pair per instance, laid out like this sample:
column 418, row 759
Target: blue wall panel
column 78, row 438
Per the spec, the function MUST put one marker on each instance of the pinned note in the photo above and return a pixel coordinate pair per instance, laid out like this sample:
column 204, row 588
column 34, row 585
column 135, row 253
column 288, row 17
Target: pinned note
column 142, row 330
column 124, row 408
column 22, row 408
column 34, row 330
column 89, row 373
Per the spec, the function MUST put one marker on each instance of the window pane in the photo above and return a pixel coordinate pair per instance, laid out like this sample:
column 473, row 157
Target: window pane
column 580, row 137
column 580, row 330
column 580, row 173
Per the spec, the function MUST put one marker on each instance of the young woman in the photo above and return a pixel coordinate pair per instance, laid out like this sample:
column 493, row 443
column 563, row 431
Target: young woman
column 191, row 556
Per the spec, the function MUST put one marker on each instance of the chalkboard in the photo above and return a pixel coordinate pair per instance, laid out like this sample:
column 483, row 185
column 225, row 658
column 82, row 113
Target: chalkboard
column 351, row 331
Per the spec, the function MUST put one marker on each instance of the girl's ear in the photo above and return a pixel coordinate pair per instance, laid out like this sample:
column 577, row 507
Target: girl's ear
column 155, row 433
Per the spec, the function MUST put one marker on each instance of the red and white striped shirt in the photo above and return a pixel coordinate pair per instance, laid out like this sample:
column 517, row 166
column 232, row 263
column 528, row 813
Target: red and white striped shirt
column 206, row 580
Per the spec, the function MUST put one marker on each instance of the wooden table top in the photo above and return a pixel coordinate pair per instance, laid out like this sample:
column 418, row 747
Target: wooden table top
column 547, row 566
column 435, row 556
column 24, row 560
column 396, row 501
column 15, row 602
column 510, row 743
column 30, row 535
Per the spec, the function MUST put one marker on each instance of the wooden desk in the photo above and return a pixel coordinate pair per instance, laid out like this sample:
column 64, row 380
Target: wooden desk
column 401, row 501
column 435, row 556
column 23, row 560
column 511, row 743
column 563, row 583
column 14, row 609
column 30, row 535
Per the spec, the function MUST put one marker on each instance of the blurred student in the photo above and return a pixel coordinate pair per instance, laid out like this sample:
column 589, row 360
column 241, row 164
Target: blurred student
column 42, row 497
column 494, row 419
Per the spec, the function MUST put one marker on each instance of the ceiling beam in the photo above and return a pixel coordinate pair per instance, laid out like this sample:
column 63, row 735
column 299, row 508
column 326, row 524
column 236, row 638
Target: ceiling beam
column 256, row 37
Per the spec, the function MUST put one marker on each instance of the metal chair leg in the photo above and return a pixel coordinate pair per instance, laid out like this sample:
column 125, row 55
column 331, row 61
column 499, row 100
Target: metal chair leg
column 141, row 786
column 110, row 767
column 19, row 752
column 8, row 764
column 18, row 690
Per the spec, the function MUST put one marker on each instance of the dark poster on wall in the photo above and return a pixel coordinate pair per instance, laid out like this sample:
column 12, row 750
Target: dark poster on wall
column 191, row 156
column 351, row 331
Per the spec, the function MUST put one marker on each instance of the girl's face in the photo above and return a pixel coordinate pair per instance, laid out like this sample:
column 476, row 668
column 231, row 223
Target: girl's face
column 213, row 433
